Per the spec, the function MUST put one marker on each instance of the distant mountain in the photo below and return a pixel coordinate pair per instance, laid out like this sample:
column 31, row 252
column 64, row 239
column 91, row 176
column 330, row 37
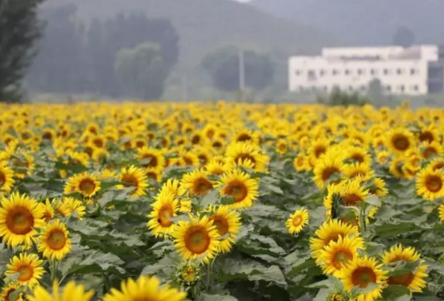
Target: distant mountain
column 369, row 22
column 204, row 25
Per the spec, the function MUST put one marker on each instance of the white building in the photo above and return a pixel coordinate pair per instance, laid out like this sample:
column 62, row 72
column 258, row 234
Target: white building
column 411, row 71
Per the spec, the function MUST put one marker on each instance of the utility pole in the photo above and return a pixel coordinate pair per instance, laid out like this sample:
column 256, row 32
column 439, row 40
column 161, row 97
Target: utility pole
column 241, row 74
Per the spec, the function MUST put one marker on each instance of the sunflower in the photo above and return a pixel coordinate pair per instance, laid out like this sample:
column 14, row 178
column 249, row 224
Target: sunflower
column 378, row 187
column 358, row 154
column 382, row 157
column 217, row 168
column 6, row 177
column 218, row 145
column 48, row 210
column 247, row 136
column 399, row 141
column 71, row 291
column 317, row 148
column 134, row 177
column 188, row 273
column 430, row 184
column 8, row 289
column 431, row 149
column 396, row 167
column 328, row 165
column 361, row 170
column 437, row 163
column 164, row 208
column 54, row 242
column 86, row 184
column 242, row 151
column 329, row 231
column 151, row 157
column 282, row 146
column 241, row 187
column 414, row 280
column 23, row 160
column 338, row 253
column 428, row 133
column 197, row 238
column 362, row 271
column 187, row 158
column 352, row 192
column 185, row 206
column 297, row 221
column 172, row 186
column 300, row 163
column 100, row 155
column 145, row 288
column 28, row 266
column 69, row 206
column 227, row 222
column 441, row 212
column 197, row 182
column 19, row 218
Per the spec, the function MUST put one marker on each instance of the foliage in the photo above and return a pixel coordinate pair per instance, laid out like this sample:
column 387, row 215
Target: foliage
column 19, row 30
column 141, row 71
column 340, row 98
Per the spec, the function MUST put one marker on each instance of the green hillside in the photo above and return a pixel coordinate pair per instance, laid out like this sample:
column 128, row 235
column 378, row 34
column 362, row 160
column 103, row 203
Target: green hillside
column 207, row 24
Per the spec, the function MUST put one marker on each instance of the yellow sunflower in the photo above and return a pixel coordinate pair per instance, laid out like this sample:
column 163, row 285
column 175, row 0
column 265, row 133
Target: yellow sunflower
column 151, row 157
column 430, row 149
column 163, row 209
column 227, row 222
column 300, row 163
column 329, row 231
column 415, row 280
column 20, row 216
column 69, row 206
column 318, row 148
column 329, row 164
column 437, row 163
column 358, row 154
column 6, row 177
column 247, row 136
column 28, row 266
column 187, row 158
column 172, row 186
column 382, row 157
column 23, row 160
column 242, row 151
column 297, row 221
column 430, row 184
column 362, row 170
column 379, row 187
column 86, row 184
column 54, row 241
column 352, row 192
column 337, row 254
column 48, row 210
column 241, row 187
column 396, row 167
column 8, row 289
column 71, row 291
column 362, row 271
column 145, row 288
column 197, row 238
column 134, row 177
column 399, row 140
column 441, row 212
column 217, row 168
column 197, row 182
column 154, row 175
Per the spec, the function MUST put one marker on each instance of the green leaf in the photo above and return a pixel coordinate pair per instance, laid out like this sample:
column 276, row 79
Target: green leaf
column 392, row 229
column 396, row 293
column 206, row 297
column 373, row 200
column 15, row 294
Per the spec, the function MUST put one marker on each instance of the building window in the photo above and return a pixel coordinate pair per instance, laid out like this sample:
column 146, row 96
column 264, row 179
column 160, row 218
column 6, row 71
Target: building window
column 402, row 88
column 298, row 72
column 388, row 88
column 321, row 73
column 334, row 72
column 373, row 72
column 362, row 88
column 347, row 72
column 399, row 71
column 415, row 88
column 386, row 71
column 361, row 71
column 350, row 88
column 413, row 71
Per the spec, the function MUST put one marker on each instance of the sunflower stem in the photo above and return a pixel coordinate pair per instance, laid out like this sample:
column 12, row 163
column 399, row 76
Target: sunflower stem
column 209, row 274
column 53, row 269
column 362, row 219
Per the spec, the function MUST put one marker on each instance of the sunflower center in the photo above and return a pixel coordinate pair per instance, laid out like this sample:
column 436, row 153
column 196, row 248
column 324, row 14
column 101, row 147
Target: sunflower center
column 436, row 167
column 282, row 147
column 203, row 159
column 152, row 175
column 297, row 221
column 300, row 161
column 341, row 258
column 319, row 151
column 244, row 158
column 426, row 136
column 26, row 273
column 20, row 221
column 2, row 179
column 201, row 186
column 221, row 224
column 87, row 186
column 189, row 274
column 195, row 139
column 217, row 144
column 130, row 181
column 433, row 183
column 400, row 142
column 328, row 172
column 357, row 157
column 404, row 279
column 331, row 237
column 363, row 276
column 351, row 199
column 140, row 143
column 56, row 240
column 197, row 240
column 236, row 189
column 165, row 213
column 153, row 160
column 188, row 160
column 8, row 293
column 244, row 137
column 98, row 142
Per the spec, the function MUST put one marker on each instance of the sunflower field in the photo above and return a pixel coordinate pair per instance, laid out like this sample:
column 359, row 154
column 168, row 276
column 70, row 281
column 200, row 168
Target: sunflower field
column 220, row 202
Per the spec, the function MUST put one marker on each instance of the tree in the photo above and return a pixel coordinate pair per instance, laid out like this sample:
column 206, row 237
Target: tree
column 141, row 72
column 19, row 30
column 223, row 67
column 404, row 37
